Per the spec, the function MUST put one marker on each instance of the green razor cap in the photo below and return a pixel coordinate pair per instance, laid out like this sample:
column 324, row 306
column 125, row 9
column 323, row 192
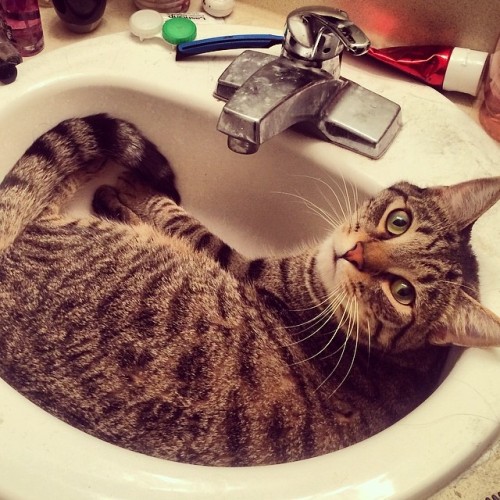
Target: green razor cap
column 178, row 30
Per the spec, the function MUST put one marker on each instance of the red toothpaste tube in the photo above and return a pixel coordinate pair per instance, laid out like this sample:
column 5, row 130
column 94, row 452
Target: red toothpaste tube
column 442, row 67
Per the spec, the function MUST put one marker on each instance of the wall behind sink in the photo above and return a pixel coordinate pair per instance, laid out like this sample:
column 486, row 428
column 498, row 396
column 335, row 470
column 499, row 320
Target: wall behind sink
column 459, row 23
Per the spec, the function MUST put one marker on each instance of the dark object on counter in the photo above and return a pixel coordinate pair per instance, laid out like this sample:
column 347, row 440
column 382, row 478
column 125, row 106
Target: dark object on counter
column 9, row 58
column 80, row 16
column 20, row 20
column 8, row 72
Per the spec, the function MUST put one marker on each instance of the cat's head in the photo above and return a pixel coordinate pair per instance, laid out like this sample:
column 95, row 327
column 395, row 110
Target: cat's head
column 404, row 269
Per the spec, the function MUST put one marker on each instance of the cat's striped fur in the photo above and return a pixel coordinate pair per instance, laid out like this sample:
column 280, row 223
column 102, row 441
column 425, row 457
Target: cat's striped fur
column 140, row 327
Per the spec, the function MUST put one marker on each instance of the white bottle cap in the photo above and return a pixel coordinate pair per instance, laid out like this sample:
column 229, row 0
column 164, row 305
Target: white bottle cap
column 465, row 70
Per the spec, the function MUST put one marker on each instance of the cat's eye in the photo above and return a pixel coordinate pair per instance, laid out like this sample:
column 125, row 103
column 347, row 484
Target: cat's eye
column 403, row 291
column 398, row 222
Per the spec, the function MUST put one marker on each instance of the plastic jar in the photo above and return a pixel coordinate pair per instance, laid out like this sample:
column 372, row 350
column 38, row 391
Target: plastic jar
column 163, row 5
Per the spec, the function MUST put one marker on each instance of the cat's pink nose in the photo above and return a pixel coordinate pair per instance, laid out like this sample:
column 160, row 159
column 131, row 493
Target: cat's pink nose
column 355, row 255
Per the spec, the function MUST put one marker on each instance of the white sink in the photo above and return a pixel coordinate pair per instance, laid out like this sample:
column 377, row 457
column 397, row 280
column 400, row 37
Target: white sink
column 242, row 198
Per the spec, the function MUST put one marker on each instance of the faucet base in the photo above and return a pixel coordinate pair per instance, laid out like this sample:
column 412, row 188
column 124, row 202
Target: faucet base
column 350, row 115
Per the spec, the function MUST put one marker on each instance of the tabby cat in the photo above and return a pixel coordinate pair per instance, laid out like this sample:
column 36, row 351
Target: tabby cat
column 139, row 326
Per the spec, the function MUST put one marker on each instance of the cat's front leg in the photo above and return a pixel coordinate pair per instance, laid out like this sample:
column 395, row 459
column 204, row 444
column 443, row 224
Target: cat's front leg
column 134, row 200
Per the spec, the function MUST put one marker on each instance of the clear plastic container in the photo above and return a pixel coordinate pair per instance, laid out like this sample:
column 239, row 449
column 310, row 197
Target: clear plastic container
column 163, row 5
column 489, row 114
column 23, row 25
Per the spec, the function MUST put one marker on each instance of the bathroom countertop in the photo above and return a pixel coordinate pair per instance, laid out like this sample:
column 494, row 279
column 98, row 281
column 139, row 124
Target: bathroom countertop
column 480, row 481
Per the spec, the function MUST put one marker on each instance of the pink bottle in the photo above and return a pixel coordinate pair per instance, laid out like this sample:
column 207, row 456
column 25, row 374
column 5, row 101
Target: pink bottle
column 21, row 21
column 489, row 114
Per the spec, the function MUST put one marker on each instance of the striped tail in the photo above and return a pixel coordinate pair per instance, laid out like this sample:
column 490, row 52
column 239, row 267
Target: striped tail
column 67, row 149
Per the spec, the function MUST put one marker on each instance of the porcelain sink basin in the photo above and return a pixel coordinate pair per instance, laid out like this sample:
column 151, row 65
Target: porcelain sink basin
column 257, row 204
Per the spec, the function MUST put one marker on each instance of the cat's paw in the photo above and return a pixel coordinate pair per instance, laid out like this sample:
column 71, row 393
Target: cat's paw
column 130, row 201
column 106, row 203
column 135, row 192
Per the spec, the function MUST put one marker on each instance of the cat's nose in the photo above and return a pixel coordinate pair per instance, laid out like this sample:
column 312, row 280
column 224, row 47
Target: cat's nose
column 355, row 255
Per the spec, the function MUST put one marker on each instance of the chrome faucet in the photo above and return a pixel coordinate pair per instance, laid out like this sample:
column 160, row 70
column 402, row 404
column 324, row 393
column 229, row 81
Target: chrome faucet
column 266, row 94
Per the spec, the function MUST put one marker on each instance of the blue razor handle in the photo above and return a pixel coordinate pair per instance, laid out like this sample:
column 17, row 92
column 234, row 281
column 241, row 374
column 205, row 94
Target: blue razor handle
column 188, row 49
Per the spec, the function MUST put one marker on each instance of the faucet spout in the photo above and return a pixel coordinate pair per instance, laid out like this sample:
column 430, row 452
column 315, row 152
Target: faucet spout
column 278, row 95
column 241, row 146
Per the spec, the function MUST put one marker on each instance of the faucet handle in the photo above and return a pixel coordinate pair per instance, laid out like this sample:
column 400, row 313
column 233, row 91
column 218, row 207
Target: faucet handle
column 321, row 33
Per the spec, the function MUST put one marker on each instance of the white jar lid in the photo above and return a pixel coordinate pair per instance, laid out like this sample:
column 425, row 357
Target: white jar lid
column 465, row 70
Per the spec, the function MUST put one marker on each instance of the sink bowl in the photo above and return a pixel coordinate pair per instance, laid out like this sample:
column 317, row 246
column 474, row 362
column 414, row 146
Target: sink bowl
column 257, row 204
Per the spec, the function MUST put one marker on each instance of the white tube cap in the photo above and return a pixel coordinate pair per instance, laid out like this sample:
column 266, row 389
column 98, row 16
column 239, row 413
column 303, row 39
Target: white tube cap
column 465, row 70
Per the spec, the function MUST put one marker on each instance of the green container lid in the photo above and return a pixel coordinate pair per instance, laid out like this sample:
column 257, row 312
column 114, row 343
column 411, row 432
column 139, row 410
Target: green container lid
column 178, row 30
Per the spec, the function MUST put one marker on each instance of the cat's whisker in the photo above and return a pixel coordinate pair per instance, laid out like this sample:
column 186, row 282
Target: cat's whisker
column 317, row 325
column 331, row 219
column 342, row 348
column 352, row 202
column 350, row 197
column 331, row 216
column 336, row 196
column 321, row 301
column 369, row 331
column 355, row 193
column 328, row 343
column 345, row 318
column 334, row 193
column 349, row 202
column 356, row 341
column 334, row 209
column 356, row 203
column 334, row 369
column 324, row 317
column 475, row 291
column 334, row 300
column 347, row 196
column 342, row 321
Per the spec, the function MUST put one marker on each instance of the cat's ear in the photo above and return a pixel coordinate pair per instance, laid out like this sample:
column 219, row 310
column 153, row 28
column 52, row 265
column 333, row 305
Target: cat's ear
column 471, row 325
column 467, row 201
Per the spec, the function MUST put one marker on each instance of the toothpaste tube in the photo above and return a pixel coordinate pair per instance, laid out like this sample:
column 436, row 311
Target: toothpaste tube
column 442, row 67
